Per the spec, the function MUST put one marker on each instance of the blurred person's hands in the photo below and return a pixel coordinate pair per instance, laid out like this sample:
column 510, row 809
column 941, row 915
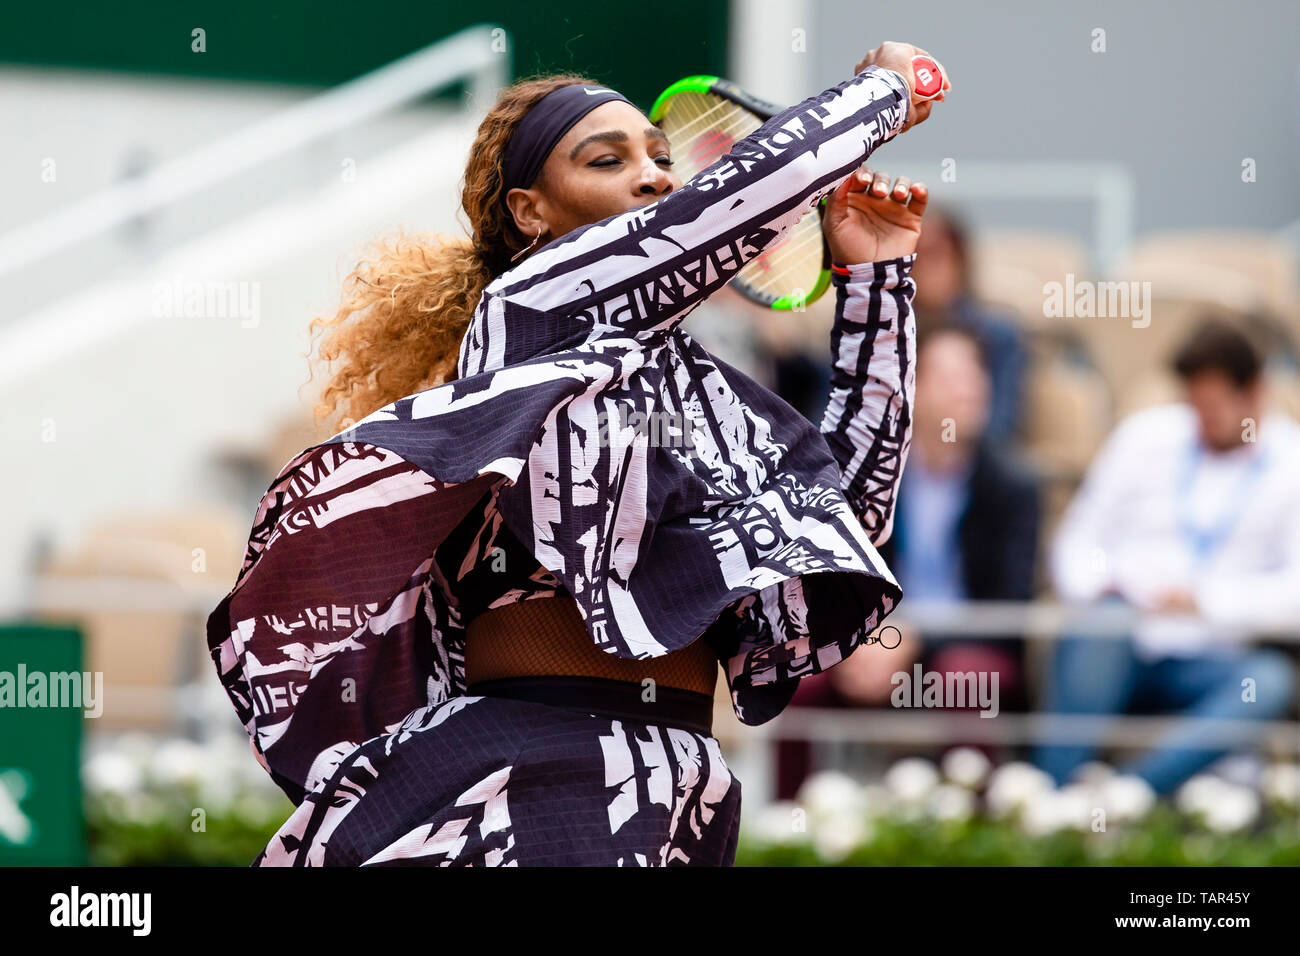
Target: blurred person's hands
column 866, row 676
column 867, row 221
column 1173, row 601
column 895, row 56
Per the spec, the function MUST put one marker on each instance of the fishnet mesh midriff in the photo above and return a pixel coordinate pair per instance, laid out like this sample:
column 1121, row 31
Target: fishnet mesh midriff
column 543, row 636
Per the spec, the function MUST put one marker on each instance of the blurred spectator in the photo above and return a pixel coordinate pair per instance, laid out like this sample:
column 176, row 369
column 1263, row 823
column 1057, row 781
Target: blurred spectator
column 965, row 528
column 1190, row 514
column 945, row 296
column 967, row 522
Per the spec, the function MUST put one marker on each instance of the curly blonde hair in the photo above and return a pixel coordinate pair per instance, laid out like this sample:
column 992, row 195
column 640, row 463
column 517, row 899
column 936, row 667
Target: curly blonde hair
column 407, row 304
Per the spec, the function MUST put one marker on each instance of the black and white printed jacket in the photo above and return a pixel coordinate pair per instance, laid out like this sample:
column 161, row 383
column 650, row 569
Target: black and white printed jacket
column 753, row 528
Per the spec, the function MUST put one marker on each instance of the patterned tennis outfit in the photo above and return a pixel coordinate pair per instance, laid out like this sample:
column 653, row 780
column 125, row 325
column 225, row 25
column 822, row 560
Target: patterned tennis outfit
column 341, row 644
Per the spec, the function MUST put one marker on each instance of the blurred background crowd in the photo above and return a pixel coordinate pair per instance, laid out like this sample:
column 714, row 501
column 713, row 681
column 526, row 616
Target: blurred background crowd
column 1038, row 472
column 1099, row 516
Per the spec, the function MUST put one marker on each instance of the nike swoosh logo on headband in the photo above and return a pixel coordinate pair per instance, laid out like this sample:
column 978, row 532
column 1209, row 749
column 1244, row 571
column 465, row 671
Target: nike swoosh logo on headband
column 592, row 91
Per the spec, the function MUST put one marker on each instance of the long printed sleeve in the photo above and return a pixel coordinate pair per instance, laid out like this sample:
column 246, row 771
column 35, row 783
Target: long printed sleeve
column 868, row 418
column 641, row 272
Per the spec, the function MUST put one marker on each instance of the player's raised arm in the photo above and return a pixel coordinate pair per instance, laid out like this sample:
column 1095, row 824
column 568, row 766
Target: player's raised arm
column 643, row 270
column 872, row 230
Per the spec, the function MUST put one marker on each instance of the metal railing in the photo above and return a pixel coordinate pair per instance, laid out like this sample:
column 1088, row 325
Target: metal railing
column 1040, row 619
column 888, row 726
column 1044, row 620
column 1111, row 188
column 472, row 52
column 750, row 748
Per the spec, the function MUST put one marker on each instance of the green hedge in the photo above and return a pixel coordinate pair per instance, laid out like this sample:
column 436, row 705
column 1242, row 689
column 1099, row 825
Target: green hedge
column 235, row 835
column 1165, row 837
column 162, row 831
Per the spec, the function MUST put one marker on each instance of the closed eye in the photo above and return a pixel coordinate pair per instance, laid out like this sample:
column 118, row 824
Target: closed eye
column 613, row 161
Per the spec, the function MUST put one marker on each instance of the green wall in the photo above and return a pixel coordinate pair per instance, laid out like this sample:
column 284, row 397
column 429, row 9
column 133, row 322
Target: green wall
column 639, row 49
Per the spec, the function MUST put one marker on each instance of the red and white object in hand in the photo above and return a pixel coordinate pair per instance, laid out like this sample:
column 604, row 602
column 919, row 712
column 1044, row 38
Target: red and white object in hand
column 928, row 77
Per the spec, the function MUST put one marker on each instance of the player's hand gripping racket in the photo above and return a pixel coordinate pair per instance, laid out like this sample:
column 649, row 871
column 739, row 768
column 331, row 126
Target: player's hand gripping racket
column 704, row 116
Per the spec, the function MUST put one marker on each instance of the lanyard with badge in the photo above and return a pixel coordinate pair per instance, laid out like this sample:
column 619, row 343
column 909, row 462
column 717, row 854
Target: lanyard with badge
column 1204, row 541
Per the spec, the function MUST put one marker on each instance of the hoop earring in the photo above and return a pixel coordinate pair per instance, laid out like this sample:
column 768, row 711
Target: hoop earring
column 529, row 246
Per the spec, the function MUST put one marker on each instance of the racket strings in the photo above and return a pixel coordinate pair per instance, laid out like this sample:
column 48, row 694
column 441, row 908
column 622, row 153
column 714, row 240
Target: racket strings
column 739, row 116
column 794, row 263
column 799, row 251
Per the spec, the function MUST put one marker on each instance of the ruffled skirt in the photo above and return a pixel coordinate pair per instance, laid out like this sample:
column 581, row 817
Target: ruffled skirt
column 507, row 782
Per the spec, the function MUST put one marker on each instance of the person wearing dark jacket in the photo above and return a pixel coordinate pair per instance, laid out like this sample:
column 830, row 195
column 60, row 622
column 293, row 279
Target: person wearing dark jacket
column 945, row 295
column 966, row 529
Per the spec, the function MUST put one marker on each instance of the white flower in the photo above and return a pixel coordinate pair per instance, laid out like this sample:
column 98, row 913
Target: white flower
column 255, row 809
column 838, row 834
column 829, row 791
column 220, row 778
column 912, row 779
column 1241, row 769
column 1040, row 814
column 1236, row 808
column 778, row 823
column 110, row 771
column 950, row 802
column 878, row 800
column 177, row 762
column 1075, row 804
column 1126, row 797
column 1046, row 811
column 1198, row 794
column 1093, row 773
column 137, row 746
column 143, row 808
column 1013, row 785
column 966, row 767
column 1222, row 805
column 238, row 751
column 1281, row 783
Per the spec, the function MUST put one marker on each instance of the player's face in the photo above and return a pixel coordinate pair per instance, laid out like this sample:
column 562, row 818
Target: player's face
column 612, row 160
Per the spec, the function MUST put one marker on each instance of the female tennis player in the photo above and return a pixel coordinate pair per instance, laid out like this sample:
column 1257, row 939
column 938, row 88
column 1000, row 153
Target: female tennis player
column 386, row 643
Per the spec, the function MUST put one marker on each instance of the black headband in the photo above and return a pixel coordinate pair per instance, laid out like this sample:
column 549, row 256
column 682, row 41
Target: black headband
column 543, row 126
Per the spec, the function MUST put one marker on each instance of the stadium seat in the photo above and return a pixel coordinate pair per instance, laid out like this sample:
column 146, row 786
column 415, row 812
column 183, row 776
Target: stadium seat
column 1010, row 268
column 1284, row 390
column 1189, row 273
column 1129, row 355
column 1245, row 269
column 1155, row 386
column 1067, row 415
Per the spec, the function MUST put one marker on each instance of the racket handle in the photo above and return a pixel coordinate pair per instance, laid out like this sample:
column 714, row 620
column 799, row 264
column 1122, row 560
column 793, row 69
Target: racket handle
column 927, row 76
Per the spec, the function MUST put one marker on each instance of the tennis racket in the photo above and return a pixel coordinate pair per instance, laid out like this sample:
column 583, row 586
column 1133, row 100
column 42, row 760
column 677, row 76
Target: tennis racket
column 703, row 117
